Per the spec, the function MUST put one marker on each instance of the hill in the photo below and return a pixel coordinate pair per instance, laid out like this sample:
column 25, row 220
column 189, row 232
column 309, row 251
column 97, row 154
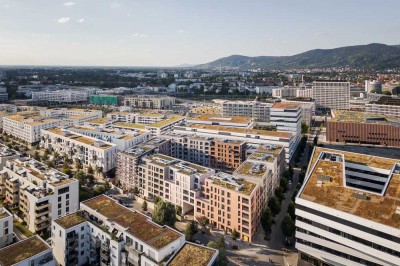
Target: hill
column 372, row 56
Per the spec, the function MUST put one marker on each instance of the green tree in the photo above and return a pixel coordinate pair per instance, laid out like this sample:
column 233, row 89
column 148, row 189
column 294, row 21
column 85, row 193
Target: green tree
column 266, row 219
column 235, row 234
column 36, row 156
column 387, row 92
column 164, row 213
column 90, row 170
column 81, row 177
column 156, row 200
column 304, row 128
column 279, row 193
column 292, row 209
column 144, row 206
column 135, row 190
column 220, row 245
column 178, row 210
column 274, row 205
column 283, row 183
column 66, row 170
column 90, row 179
column 288, row 226
column 45, row 156
column 203, row 221
column 190, row 231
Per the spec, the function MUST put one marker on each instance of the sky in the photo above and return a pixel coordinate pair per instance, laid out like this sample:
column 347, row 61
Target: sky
column 174, row 32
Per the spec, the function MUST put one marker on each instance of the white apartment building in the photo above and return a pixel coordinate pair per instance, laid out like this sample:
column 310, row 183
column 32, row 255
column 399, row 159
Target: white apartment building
column 347, row 211
column 228, row 121
column 88, row 150
column 107, row 233
column 27, row 252
column 307, row 110
column 252, row 136
column 99, row 122
column 123, row 139
column 287, row 118
column 40, row 193
column 159, row 128
column 256, row 110
column 285, row 92
column 71, row 116
column 331, row 95
column 173, row 180
column 6, row 228
column 7, row 154
column 149, row 102
column 304, row 93
column 149, row 118
column 61, row 96
column 27, row 127
column 124, row 117
column 384, row 109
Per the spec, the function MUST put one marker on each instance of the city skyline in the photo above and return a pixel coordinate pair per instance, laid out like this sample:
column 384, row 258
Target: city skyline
column 170, row 33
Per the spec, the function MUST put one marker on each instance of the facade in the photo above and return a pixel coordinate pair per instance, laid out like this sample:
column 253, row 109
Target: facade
column 148, row 118
column 285, row 92
column 256, row 110
column 71, row 116
column 307, row 109
column 107, row 233
column 331, row 95
column 287, row 118
column 129, row 160
column 40, row 193
column 27, row 127
column 123, row 139
column 172, row 180
column 104, row 100
column 6, row 228
column 149, row 102
column 385, row 105
column 231, row 203
column 347, row 210
column 61, row 96
column 89, row 151
column 373, row 86
column 228, row 121
column 124, row 117
column 166, row 125
column 363, row 128
column 251, row 136
column 27, row 252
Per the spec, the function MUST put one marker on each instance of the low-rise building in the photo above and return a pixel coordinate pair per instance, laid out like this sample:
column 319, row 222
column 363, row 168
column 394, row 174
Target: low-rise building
column 61, row 96
column 165, row 125
column 149, row 102
column 107, row 233
column 89, row 151
column 149, row 118
column 227, row 121
column 124, row 117
column 27, row 252
column 385, row 105
column 39, row 192
column 193, row 254
column 347, row 211
column 6, row 228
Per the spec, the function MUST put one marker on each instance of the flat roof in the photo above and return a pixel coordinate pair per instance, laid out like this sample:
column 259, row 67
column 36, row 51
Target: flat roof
column 184, row 166
column 283, row 105
column 130, row 125
column 244, row 130
column 22, row 250
column 3, row 213
column 71, row 220
column 363, row 117
column 99, row 120
column 138, row 224
column 331, row 191
column 193, row 255
column 173, row 119
column 221, row 119
column 233, row 183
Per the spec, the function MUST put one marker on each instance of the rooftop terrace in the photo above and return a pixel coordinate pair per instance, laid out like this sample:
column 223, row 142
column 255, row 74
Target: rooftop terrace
column 325, row 186
column 243, row 130
column 172, row 119
column 193, row 255
column 233, row 183
column 22, row 250
column 138, row 224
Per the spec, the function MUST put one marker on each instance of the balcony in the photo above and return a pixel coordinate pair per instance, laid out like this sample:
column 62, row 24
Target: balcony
column 42, row 206
column 72, row 246
column 42, row 226
column 42, row 212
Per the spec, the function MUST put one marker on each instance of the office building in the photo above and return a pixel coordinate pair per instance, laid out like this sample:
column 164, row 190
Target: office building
column 149, row 102
column 307, row 109
column 27, row 252
column 373, row 86
column 89, row 151
column 39, row 192
column 347, row 211
column 385, row 105
column 3, row 95
column 363, row 128
column 256, row 110
column 331, row 95
column 286, row 117
column 61, row 96
column 107, row 233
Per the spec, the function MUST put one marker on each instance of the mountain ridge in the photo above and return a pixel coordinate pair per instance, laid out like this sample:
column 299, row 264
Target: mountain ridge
column 371, row 56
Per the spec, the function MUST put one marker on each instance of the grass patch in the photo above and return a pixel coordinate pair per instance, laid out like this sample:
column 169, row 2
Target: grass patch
column 23, row 229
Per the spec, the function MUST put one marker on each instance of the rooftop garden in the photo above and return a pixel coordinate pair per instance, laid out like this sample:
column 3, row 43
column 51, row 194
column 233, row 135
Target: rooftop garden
column 71, row 220
column 22, row 250
column 193, row 255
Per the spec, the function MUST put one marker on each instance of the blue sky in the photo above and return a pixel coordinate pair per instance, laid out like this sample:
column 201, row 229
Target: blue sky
column 172, row 32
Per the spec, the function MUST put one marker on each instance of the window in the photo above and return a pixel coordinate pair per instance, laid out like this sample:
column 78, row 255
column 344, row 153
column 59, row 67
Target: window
column 59, row 198
column 67, row 196
column 59, row 212
column 82, row 236
column 82, row 252
column 82, row 228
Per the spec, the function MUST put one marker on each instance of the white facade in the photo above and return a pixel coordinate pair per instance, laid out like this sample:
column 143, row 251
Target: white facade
column 63, row 96
column 256, row 110
column 332, row 95
column 124, row 117
column 6, row 228
column 384, row 109
column 287, row 118
column 88, row 150
column 307, row 110
column 149, row 102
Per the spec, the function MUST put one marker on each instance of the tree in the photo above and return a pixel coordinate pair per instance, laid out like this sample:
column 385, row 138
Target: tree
column 203, row 221
column 66, row 170
column 387, row 92
column 315, row 141
column 274, row 205
column 36, row 156
column 291, row 172
column 283, row 183
column 135, row 190
column 156, row 200
column 235, row 234
column 179, row 210
column 81, row 177
column 396, row 91
column 288, row 227
column 292, row 209
column 45, row 155
column 220, row 245
column 164, row 213
column 190, row 231
column 144, row 206
column 90, row 179
column 279, row 193
column 266, row 219
column 304, row 128
column 90, row 170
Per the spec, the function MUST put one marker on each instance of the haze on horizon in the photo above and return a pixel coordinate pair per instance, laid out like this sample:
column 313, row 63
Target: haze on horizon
column 173, row 32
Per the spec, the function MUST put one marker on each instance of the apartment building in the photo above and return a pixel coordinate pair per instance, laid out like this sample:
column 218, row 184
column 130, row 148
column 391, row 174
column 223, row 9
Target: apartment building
column 331, row 95
column 384, row 106
column 99, row 122
column 285, row 92
column 227, row 121
column 159, row 128
column 264, row 167
column 256, row 110
column 307, row 109
column 129, row 160
column 27, row 252
column 231, row 203
column 251, row 136
column 227, row 155
column 123, row 139
column 107, row 233
column 347, row 211
column 71, row 116
column 6, row 228
column 61, row 96
column 363, row 128
column 149, row 118
column 124, row 117
column 287, row 118
column 172, row 180
column 89, row 151
column 40, row 193
column 149, row 102
column 27, row 126
column 194, row 254
column 7, row 154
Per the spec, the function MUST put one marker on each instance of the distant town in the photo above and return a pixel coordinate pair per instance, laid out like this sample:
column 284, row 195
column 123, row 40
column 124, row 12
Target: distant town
column 199, row 166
